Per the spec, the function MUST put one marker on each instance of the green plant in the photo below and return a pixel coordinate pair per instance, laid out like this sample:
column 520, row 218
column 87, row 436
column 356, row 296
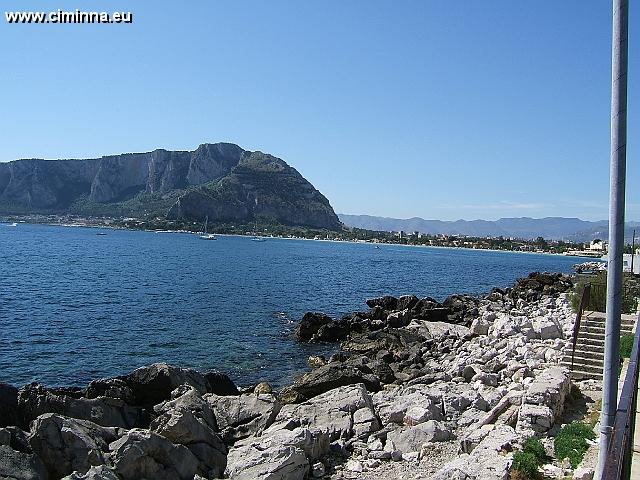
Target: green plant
column 626, row 346
column 525, row 464
column 534, row 446
column 571, row 442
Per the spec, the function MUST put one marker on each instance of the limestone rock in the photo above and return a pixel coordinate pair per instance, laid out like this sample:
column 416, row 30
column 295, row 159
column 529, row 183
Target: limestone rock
column 283, row 462
column 337, row 412
column 143, row 454
column 392, row 406
column 190, row 428
column 35, row 400
column 411, row 439
column 100, row 472
column 66, row 445
column 243, row 415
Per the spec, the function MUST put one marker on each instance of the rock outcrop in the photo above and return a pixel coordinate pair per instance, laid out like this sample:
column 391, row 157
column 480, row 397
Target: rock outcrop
column 221, row 181
column 398, row 391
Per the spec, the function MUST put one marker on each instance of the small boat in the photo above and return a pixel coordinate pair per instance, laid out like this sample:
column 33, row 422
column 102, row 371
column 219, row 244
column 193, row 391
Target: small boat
column 100, row 233
column 14, row 224
column 205, row 235
column 258, row 239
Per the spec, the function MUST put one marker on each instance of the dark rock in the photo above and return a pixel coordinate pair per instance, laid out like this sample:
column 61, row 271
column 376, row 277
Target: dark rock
column 310, row 324
column 18, row 439
column 325, row 378
column 220, row 383
column 35, row 400
column 386, row 303
column 407, row 302
column 147, row 386
column 382, row 370
column 16, row 465
column 390, row 340
column 8, row 405
column 332, row 332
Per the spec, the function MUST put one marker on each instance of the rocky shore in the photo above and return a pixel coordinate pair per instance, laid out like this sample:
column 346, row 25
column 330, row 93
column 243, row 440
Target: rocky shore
column 419, row 389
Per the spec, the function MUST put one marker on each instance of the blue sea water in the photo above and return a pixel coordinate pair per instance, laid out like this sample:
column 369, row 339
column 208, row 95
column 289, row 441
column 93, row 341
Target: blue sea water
column 76, row 306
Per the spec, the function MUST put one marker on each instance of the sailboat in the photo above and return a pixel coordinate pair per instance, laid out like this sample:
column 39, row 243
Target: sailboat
column 205, row 235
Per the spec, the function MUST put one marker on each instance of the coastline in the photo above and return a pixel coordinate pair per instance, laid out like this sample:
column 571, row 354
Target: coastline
column 417, row 386
column 267, row 236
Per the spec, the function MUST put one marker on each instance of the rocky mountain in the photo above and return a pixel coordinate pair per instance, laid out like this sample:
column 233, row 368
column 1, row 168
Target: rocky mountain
column 553, row 228
column 221, row 181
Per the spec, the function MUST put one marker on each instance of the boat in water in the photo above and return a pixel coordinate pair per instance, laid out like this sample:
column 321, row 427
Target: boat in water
column 258, row 239
column 14, row 224
column 205, row 235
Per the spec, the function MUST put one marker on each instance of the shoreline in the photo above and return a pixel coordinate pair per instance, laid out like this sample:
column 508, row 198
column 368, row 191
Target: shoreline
column 269, row 237
column 436, row 389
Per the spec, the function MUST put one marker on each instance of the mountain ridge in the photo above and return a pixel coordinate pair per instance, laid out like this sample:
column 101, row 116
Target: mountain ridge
column 552, row 228
column 220, row 180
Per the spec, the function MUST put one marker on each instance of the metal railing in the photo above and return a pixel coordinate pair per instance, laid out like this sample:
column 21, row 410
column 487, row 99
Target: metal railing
column 584, row 302
column 617, row 465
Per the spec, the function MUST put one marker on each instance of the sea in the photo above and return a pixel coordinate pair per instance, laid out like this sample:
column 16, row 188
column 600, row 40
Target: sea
column 78, row 304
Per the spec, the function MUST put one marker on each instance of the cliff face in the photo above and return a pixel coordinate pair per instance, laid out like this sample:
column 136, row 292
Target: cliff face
column 221, row 181
column 260, row 186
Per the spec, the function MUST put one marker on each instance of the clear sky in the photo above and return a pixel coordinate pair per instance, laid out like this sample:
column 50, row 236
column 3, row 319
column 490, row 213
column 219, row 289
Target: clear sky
column 439, row 109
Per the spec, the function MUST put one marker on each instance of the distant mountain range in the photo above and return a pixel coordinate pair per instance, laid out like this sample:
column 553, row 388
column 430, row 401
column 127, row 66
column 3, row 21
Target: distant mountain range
column 551, row 228
column 220, row 181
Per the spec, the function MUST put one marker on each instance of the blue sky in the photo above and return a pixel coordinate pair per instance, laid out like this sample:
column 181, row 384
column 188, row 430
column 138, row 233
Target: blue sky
column 405, row 108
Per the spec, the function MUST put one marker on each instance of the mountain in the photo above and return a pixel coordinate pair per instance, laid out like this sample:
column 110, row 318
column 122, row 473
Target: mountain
column 221, row 181
column 553, row 228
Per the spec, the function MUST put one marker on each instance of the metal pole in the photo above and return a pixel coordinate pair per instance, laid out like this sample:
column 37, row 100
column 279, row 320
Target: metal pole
column 616, row 224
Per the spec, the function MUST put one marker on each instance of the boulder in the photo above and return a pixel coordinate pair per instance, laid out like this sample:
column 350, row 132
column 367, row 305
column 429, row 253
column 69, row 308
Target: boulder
column 399, row 319
column 549, row 389
column 35, row 400
column 326, row 378
column 149, row 385
column 313, row 442
column 490, row 459
column 392, row 405
column 407, row 302
column 546, row 328
column 534, row 419
column 101, row 472
column 16, row 465
column 282, row 462
column 144, row 454
column 480, row 326
column 340, row 413
column 264, row 388
column 411, row 439
column 8, row 405
column 310, row 324
column 191, row 429
column 386, row 303
column 66, row 444
column 244, row 415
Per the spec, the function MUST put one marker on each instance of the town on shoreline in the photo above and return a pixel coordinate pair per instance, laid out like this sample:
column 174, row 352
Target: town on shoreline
column 266, row 229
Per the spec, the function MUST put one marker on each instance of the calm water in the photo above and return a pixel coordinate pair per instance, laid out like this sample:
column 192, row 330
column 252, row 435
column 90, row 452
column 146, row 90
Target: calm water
column 75, row 306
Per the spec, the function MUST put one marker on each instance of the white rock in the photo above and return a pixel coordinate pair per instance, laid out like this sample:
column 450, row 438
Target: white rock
column 583, row 473
column 353, row 465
